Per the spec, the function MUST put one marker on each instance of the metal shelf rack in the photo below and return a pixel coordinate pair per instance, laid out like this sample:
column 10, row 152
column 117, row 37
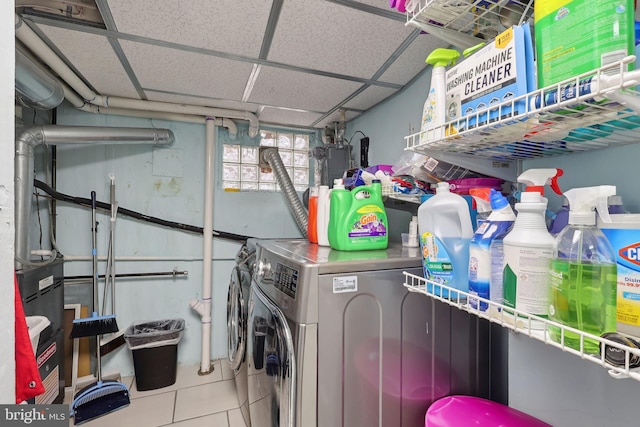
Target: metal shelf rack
column 590, row 111
column 527, row 324
column 466, row 23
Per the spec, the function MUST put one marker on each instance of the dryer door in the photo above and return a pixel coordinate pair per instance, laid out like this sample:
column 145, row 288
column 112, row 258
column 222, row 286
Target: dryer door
column 236, row 320
column 271, row 364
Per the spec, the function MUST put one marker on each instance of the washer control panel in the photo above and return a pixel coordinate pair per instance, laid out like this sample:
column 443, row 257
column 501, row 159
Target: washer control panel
column 286, row 279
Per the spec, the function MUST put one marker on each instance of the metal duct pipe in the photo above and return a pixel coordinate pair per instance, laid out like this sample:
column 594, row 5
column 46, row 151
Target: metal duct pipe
column 271, row 156
column 53, row 135
column 36, row 87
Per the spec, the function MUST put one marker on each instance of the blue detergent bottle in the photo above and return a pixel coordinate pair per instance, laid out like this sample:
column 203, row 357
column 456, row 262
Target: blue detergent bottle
column 486, row 254
column 445, row 230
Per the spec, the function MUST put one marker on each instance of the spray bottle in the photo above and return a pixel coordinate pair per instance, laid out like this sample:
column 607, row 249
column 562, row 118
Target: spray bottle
column 528, row 248
column 483, row 205
column 444, row 226
column 433, row 113
column 486, row 255
column 583, row 276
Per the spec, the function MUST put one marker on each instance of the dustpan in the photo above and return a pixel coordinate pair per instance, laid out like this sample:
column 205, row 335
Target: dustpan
column 98, row 399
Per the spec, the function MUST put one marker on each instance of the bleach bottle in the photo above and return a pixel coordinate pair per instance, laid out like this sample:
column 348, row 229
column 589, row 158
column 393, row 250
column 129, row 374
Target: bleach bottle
column 485, row 257
column 583, row 276
column 357, row 218
column 434, row 111
column 444, row 226
column 528, row 248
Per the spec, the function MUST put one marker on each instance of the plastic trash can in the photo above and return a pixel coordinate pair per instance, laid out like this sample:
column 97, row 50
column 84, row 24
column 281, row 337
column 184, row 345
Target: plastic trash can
column 154, row 345
column 468, row 411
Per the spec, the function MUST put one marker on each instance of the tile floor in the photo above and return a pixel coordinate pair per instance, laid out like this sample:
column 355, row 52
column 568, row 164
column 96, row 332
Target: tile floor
column 193, row 401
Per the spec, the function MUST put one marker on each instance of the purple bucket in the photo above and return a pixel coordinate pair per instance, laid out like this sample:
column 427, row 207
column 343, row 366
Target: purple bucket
column 469, row 411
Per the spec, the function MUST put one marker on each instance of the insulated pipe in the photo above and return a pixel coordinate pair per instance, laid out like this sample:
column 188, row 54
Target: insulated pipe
column 271, row 156
column 49, row 57
column 186, row 118
column 79, row 103
column 35, row 85
column 207, row 247
column 53, row 135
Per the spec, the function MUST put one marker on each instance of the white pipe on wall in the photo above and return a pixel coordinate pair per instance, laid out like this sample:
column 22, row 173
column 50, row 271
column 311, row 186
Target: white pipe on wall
column 204, row 309
column 27, row 36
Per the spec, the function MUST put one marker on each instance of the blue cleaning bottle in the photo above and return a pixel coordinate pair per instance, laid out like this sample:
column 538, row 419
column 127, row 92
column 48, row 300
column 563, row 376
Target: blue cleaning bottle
column 486, row 254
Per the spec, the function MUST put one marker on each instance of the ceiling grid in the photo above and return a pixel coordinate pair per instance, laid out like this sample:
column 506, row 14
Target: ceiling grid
column 293, row 62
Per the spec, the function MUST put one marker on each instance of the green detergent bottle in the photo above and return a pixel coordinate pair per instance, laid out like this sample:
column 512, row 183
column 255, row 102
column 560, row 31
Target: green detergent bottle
column 357, row 218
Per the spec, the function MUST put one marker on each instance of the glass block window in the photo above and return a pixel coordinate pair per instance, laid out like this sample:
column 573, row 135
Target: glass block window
column 240, row 164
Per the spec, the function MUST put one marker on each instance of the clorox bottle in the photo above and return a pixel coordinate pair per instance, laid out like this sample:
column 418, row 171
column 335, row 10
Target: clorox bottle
column 357, row 218
column 444, row 225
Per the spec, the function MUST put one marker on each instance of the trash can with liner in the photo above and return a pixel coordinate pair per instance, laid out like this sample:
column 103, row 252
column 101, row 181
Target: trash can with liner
column 154, row 345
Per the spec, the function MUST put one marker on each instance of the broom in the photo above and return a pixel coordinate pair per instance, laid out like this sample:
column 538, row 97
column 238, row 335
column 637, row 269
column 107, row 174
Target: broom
column 101, row 397
column 114, row 341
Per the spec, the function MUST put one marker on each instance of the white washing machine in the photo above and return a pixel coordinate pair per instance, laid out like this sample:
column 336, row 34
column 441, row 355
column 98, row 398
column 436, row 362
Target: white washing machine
column 334, row 339
column 237, row 314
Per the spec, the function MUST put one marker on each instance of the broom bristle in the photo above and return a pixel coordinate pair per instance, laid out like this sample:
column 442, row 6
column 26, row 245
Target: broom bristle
column 92, row 326
column 111, row 343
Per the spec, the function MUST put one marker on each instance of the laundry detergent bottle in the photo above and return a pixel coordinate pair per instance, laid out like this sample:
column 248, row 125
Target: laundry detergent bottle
column 434, row 111
column 444, row 226
column 358, row 219
column 583, row 275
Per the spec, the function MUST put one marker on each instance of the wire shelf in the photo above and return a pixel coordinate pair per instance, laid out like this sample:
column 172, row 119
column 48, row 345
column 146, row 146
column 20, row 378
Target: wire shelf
column 591, row 111
column 530, row 325
column 467, row 23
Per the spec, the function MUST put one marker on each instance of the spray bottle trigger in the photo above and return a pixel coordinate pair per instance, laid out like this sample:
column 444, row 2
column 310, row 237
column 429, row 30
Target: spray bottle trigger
column 554, row 182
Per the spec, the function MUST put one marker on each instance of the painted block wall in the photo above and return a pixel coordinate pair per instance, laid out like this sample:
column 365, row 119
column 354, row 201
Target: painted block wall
column 165, row 182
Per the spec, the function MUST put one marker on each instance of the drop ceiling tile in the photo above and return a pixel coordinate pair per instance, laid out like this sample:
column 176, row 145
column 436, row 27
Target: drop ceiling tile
column 94, row 58
column 288, row 117
column 285, row 88
column 326, row 36
column 411, row 61
column 369, row 97
column 186, row 72
column 224, row 25
column 200, row 100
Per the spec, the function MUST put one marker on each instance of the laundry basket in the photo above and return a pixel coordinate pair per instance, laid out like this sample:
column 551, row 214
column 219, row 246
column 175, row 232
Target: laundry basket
column 154, row 345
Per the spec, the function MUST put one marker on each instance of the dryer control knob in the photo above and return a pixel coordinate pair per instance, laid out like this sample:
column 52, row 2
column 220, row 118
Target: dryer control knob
column 264, row 269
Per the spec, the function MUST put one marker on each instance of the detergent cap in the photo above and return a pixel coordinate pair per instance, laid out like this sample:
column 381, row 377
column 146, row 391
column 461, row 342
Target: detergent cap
column 441, row 57
column 536, row 179
column 338, row 184
column 583, row 200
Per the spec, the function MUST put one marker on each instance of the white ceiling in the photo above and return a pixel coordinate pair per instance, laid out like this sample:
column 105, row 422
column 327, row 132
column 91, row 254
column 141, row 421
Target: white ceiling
column 290, row 62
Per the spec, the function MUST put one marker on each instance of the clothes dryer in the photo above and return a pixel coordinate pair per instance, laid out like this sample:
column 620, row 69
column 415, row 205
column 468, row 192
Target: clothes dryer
column 237, row 312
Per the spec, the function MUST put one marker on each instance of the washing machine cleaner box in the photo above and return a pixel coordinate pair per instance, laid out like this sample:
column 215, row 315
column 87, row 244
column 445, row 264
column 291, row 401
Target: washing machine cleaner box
column 575, row 37
column 358, row 219
column 499, row 72
column 445, row 230
column 486, row 254
column 623, row 232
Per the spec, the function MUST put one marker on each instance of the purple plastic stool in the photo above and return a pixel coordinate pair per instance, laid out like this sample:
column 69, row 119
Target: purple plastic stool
column 468, row 411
